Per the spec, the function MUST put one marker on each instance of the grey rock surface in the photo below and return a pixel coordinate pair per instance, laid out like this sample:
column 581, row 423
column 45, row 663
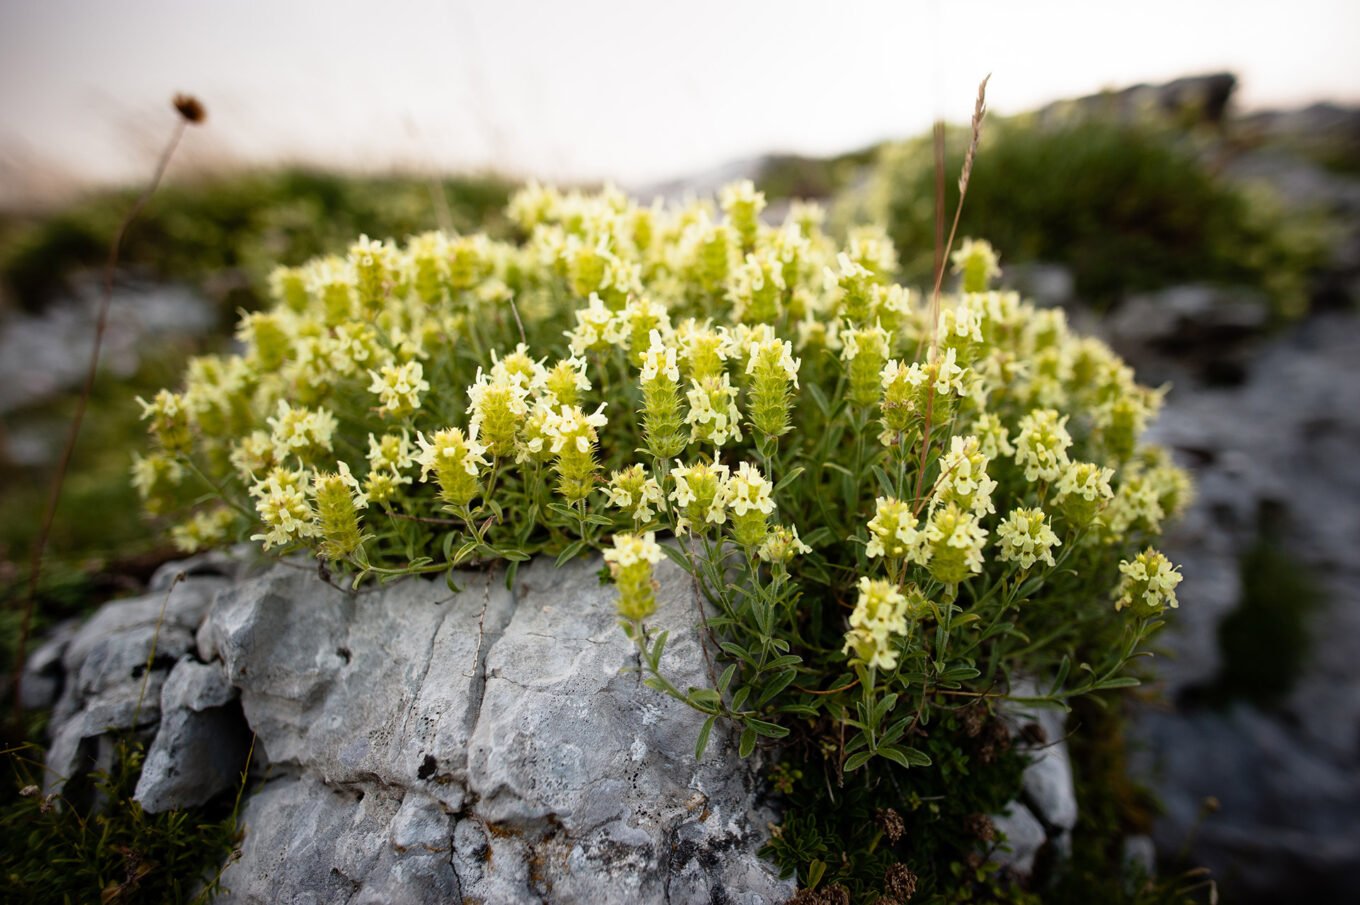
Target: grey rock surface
column 1274, row 457
column 1048, row 796
column 1025, row 836
column 35, row 350
column 43, row 676
column 421, row 745
column 201, row 744
column 536, row 764
column 106, row 684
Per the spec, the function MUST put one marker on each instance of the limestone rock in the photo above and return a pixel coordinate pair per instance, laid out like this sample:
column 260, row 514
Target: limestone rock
column 106, row 684
column 505, row 729
column 1024, row 837
column 1276, row 456
column 201, row 746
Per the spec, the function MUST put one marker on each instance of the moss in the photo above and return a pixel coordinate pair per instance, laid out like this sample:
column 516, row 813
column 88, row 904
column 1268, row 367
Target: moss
column 54, row 851
column 1265, row 641
column 1126, row 207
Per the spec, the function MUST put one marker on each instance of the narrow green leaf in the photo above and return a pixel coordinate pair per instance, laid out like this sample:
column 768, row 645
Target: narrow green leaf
column 747, row 743
column 726, row 678
column 678, row 557
column 799, row 710
column 789, row 478
column 885, row 483
column 776, row 685
column 1117, row 682
column 1063, row 668
column 570, row 552
column 702, row 743
column 896, row 755
column 818, row 398
column 857, row 760
column 769, row 730
column 704, row 695
column 916, row 757
column 657, row 647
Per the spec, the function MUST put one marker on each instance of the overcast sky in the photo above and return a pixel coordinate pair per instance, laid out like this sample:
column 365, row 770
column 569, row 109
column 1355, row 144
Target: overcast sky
column 633, row 91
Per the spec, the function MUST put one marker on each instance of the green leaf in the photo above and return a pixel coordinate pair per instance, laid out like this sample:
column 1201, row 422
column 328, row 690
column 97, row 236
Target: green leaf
column 726, row 678
column 799, row 710
column 777, row 684
column 769, row 730
column 704, row 698
column 896, row 755
column 916, row 757
column 881, row 709
column 740, row 697
column 1063, row 668
column 747, row 743
column 702, row 743
column 819, row 537
column 857, row 760
column 1116, row 682
column 956, row 674
column 570, row 552
column 789, row 478
column 657, row 647
column 734, row 650
column 818, row 398
column 816, row 870
column 885, row 483
column 678, row 557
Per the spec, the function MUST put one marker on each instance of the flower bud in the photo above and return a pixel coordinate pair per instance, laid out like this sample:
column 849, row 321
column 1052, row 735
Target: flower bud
column 630, row 563
column 954, row 540
column 978, row 263
column 338, row 500
column 742, row 204
column 169, row 422
column 701, row 495
column 749, row 499
column 772, row 373
column 1025, row 537
column 1148, row 584
column 456, row 461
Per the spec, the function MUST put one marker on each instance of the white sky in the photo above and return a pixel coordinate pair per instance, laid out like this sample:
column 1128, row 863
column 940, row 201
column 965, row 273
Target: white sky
column 634, row 91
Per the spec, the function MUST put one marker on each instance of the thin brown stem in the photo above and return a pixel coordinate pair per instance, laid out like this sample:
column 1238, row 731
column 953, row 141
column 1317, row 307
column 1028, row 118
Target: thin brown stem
column 64, row 462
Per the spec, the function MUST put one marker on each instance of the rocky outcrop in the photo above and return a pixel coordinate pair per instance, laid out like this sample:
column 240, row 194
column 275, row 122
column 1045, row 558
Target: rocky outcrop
column 418, row 744
column 1274, row 459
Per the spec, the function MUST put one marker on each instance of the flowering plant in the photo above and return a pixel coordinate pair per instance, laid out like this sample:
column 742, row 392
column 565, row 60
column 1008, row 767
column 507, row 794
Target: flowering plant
column 895, row 505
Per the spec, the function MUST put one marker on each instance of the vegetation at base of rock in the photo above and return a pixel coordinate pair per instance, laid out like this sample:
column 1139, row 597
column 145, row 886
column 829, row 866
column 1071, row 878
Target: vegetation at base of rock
column 897, row 505
column 1125, row 205
column 97, row 845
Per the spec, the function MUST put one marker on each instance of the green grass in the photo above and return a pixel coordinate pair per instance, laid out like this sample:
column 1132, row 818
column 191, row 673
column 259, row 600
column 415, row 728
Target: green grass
column 56, row 850
column 241, row 224
column 1127, row 207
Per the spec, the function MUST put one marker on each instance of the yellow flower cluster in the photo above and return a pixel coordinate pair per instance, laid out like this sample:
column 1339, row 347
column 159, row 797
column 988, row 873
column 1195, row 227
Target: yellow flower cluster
column 620, row 369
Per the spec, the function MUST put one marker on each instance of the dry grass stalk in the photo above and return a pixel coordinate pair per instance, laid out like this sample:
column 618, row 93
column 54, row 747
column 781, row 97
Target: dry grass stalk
column 191, row 112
